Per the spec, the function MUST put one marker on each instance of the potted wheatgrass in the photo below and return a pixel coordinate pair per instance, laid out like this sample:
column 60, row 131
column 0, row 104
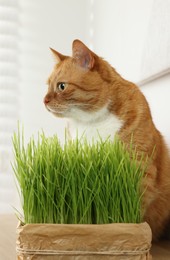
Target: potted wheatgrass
column 79, row 201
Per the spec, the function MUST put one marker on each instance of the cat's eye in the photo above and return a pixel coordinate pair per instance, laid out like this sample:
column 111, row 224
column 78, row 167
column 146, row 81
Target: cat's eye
column 61, row 86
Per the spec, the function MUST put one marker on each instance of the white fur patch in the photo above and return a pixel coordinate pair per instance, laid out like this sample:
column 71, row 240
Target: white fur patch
column 95, row 125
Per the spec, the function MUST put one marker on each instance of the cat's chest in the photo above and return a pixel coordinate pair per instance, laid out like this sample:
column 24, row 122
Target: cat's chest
column 93, row 130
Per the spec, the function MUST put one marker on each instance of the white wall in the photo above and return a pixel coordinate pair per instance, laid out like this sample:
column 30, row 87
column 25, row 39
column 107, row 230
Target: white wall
column 120, row 33
column 157, row 93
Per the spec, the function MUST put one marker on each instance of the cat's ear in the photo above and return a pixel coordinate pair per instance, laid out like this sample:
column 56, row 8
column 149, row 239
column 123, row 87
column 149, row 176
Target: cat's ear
column 83, row 56
column 58, row 56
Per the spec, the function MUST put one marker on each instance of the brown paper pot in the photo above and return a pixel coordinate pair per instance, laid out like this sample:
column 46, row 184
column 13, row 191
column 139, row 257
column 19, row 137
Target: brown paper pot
column 80, row 242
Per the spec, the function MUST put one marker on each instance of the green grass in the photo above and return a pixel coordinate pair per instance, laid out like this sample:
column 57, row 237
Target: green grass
column 77, row 183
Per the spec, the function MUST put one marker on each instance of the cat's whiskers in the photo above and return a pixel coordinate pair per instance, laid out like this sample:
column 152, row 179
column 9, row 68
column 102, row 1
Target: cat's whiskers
column 86, row 105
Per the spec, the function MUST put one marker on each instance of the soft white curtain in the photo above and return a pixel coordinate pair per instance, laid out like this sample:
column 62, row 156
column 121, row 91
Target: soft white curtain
column 9, row 39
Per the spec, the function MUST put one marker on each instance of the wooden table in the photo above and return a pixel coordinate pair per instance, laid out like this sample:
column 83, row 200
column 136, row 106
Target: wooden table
column 8, row 224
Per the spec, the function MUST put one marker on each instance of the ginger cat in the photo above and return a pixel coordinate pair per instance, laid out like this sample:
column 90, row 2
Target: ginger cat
column 97, row 100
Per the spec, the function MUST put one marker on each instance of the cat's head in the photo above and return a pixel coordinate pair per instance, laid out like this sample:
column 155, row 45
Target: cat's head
column 78, row 84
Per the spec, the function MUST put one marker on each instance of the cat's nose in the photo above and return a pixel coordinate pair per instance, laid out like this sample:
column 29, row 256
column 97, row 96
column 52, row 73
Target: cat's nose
column 46, row 100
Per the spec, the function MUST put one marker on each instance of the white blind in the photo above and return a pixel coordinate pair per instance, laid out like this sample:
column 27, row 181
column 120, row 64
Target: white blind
column 27, row 29
column 9, row 93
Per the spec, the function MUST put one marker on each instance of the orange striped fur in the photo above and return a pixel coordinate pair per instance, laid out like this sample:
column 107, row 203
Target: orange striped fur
column 88, row 90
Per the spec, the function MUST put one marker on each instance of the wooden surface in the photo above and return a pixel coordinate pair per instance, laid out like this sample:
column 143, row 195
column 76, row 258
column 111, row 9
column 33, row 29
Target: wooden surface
column 161, row 251
column 8, row 224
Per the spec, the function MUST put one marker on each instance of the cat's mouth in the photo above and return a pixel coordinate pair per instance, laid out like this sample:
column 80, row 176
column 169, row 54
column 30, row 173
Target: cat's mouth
column 57, row 112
